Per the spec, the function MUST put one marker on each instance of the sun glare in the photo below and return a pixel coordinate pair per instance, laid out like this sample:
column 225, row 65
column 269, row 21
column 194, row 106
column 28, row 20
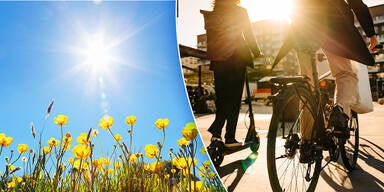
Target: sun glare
column 96, row 53
column 268, row 9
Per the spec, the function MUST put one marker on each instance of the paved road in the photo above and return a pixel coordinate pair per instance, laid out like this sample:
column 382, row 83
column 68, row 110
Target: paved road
column 369, row 177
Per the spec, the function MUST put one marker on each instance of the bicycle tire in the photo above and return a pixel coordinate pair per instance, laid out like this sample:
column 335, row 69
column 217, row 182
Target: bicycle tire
column 290, row 176
column 349, row 149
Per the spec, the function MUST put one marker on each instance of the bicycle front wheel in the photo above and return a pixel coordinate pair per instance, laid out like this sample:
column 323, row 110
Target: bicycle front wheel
column 349, row 148
column 286, row 172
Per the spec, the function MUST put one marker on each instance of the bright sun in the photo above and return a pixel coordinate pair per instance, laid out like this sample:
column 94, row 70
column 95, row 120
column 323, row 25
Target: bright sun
column 96, row 53
column 268, row 9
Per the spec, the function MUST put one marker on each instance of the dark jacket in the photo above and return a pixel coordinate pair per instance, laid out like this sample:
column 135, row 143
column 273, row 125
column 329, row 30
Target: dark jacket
column 329, row 24
column 230, row 36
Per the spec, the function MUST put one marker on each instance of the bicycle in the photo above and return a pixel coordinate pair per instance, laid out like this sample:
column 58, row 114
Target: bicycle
column 284, row 144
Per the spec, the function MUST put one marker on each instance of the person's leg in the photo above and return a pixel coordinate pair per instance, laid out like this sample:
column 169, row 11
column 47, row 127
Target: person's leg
column 346, row 81
column 216, row 127
column 306, row 120
column 235, row 90
column 346, row 92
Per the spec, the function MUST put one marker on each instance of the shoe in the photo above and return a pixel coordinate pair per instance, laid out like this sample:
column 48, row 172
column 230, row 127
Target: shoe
column 305, row 153
column 232, row 143
column 215, row 138
column 339, row 121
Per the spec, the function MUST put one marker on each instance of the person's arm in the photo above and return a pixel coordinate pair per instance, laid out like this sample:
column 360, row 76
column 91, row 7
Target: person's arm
column 363, row 16
column 365, row 19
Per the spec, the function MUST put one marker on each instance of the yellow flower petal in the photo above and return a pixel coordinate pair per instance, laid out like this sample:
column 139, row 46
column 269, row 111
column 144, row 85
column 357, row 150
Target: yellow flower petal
column 60, row 120
column 190, row 131
column 106, row 122
column 161, row 123
column 151, row 150
column 22, row 148
column 81, row 151
column 131, row 120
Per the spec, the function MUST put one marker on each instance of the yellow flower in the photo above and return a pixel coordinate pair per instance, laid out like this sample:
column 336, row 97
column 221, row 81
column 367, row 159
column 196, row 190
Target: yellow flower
column 106, row 122
column 147, row 167
column 207, row 163
column 83, row 166
column 5, row 141
column 15, row 180
column 183, row 163
column 133, row 158
column 118, row 137
column 151, row 150
column 81, row 151
column 46, row 150
column 61, row 120
column 182, row 142
column 156, row 166
column 11, row 167
column 173, row 171
column 71, row 160
column 190, row 131
column 83, row 138
column 166, row 176
column 179, row 163
column 111, row 171
column 22, row 148
column 199, row 186
column 203, row 168
column 131, row 120
column 11, row 184
column 162, row 123
column 117, row 165
column 96, row 163
column 52, row 142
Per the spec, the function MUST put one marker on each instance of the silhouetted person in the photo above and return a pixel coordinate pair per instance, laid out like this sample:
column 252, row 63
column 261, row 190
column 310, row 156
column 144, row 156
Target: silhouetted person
column 230, row 45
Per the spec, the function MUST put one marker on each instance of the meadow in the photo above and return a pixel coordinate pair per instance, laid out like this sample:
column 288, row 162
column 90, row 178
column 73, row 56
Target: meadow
column 47, row 168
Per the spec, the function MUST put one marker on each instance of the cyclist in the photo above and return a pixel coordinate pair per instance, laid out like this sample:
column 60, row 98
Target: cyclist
column 230, row 45
column 330, row 25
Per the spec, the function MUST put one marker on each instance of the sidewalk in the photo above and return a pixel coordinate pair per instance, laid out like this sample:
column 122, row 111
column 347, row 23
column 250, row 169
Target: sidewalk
column 369, row 176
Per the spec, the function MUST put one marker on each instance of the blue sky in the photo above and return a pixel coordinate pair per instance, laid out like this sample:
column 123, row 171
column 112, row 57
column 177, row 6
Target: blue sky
column 47, row 51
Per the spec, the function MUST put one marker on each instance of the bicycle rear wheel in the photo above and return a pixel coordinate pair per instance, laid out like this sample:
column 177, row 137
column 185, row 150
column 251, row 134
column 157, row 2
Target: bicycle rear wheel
column 285, row 171
column 349, row 148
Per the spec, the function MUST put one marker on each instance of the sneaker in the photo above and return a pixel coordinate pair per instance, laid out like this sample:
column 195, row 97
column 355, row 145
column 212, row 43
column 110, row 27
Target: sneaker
column 339, row 121
column 215, row 138
column 232, row 143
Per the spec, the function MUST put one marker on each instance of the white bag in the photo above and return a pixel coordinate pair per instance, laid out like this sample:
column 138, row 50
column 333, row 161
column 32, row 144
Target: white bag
column 364, row 98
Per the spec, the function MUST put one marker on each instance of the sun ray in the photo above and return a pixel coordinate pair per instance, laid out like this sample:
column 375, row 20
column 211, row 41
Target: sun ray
column 268, row 9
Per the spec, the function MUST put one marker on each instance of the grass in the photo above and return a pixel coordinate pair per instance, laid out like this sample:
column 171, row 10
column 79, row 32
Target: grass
column 45, row 169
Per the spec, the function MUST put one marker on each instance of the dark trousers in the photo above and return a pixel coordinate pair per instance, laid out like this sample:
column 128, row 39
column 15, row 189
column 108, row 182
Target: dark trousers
column 229, row 84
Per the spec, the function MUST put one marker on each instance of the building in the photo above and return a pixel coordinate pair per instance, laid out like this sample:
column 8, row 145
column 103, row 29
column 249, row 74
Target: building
column 270, row 35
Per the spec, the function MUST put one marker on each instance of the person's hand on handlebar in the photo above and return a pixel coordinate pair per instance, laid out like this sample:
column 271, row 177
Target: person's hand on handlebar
column 373, row 43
